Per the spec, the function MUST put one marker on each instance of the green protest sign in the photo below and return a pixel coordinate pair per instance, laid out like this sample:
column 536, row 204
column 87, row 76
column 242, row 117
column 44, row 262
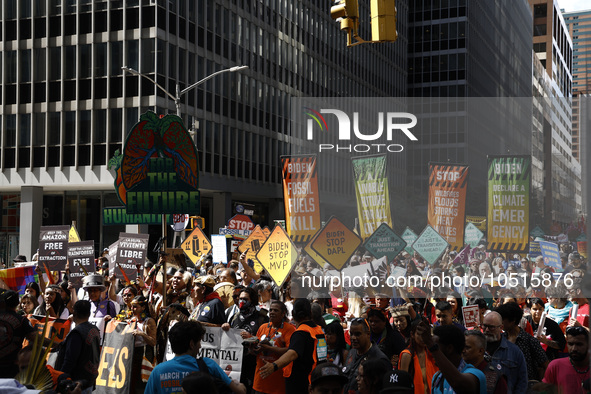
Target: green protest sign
column 409, row 237
column 430, row 245
column 472, row 235
column 537, row 232
column 384, row 242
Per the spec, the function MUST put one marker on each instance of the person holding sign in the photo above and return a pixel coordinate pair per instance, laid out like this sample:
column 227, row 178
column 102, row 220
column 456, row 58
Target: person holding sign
column 145, row 340
column 551, row 337
column 53, row 305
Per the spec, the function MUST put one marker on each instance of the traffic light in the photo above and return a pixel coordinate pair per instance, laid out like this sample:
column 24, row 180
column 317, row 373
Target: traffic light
column 383, row 21
column 347, row 12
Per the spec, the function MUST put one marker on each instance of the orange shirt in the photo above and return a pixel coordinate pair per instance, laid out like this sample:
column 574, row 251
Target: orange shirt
column 274, row 383
column 418, row 376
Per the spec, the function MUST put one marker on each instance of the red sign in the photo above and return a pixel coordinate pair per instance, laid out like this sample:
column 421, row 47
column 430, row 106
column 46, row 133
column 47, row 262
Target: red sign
column 240, row 222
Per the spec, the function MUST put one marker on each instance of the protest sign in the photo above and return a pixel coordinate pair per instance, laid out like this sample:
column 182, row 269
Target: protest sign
column 225, row 348
column 73, row 235
column 131, row 253
column 534, row 249
column 551, row 255
column 430, row 245
column 446, row 209
column 253, row 244
column 278, row 255
column 371, row 190
column 53, row 246
column 196, row 245
column 478, row 221
column 384, row 242
column 471, row 316
column 409, row 237
column 537, row 232
column 116, row 358
column 57, row 329
column 219, row 252
column 81, row 259
column 112, row 256
column 463, row 257
column 312, row 253
column 240, row 222
column 300, row 197
column 472, row 235
column 335, row 243
column 509, row 183
column 582, row 248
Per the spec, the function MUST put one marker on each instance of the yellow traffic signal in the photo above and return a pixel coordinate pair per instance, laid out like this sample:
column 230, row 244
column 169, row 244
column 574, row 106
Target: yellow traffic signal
column 383, row 21
column 347, row 12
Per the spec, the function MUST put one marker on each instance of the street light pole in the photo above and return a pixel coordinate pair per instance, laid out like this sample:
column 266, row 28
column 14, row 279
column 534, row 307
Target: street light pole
column 179, row 93
column 177, row 102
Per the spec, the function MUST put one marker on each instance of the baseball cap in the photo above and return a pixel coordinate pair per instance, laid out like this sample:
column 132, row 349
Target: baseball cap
column 397, row 382
column 327, row 371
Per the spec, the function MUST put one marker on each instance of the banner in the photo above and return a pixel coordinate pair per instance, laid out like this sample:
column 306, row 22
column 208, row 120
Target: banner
column 446, row 210
column 116, row 358
column 16, row 278
column 478, row 221
column 300, row 197
column 371, row 190
column 58, row 327
column 53, row 246
column 509, row 182
column 81, row 259
column 225, row 348
column 131, row 252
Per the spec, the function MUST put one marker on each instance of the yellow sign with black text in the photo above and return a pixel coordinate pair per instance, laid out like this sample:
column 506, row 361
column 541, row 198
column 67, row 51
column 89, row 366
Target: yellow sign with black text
column 196, row 245
column 278, row 255
column 253, row 244
column 336, row 243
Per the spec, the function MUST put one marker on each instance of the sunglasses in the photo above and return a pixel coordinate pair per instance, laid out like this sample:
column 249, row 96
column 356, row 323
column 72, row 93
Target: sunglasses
column 361, row 320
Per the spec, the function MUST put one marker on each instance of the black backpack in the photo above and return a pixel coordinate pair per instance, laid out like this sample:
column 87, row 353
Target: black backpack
column 222, row 387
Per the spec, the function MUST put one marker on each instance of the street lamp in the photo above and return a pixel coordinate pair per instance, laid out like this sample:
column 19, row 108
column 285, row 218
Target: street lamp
column 180, row 93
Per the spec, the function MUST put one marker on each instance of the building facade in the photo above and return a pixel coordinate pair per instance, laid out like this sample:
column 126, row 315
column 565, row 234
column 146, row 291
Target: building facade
column 67, row 106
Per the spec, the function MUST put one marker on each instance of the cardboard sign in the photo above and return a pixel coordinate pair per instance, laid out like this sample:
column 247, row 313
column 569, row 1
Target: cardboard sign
column 53, row 246
column 196, row 245
column 430, row 245
column 81, row 259
column 472, row 235
column 409, row 237
column 116, row 358
column 551, row 255
column 300, row 196
column 509, row 183
column 384, row 242
column 471, row 316
column 57, row 329
column 220, row 255
column 446, row 209
column 278, row 255
column 131, row 253
column 335, row 243
column 253, row 243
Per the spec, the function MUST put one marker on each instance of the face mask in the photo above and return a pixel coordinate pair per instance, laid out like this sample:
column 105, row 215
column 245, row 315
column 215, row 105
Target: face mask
column 244, row 305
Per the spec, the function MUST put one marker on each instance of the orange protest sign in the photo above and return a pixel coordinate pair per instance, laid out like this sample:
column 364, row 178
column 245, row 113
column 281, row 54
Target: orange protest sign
column 336, row 243
column 253, row 244
column 58, row 327
column 278, row 255
column 267, row 231
column 447, row 202
column 196, row 245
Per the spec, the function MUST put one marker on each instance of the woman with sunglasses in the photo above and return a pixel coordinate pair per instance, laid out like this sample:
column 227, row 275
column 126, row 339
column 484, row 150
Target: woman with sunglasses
column 418, row 361
column 145, row 340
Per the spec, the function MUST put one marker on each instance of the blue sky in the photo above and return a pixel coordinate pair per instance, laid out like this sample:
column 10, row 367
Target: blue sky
column 575, row 5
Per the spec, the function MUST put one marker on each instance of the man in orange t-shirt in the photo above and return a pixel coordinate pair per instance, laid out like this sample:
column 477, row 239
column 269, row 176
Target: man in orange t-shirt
column 273, row 342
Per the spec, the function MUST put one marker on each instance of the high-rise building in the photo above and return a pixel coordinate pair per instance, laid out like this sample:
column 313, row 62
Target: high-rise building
column 553, row 48
column 67, row 106
column 474, row 49
column 579, row 28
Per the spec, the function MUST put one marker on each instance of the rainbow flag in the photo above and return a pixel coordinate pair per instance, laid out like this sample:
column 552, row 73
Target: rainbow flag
column 17, row 278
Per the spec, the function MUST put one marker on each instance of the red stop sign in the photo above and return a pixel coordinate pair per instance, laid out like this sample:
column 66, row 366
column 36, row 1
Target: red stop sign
column 240, row 222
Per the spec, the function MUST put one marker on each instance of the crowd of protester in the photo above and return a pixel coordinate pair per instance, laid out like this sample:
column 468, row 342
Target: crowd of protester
column 298, row 340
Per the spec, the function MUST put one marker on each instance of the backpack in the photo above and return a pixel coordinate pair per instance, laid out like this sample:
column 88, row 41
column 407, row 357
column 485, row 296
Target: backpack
column 221, row 386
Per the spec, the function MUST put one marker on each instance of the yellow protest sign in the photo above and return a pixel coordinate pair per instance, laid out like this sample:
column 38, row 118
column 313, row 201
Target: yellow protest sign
column 73, row 235
column 267, row 231
column 253, row 243
column 312, row 253
column 278, row 255
column 336, row 243
column 196, row 245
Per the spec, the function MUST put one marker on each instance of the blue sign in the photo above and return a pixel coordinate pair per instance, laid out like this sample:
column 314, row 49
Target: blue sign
column 534, row 249
column 551, row 255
